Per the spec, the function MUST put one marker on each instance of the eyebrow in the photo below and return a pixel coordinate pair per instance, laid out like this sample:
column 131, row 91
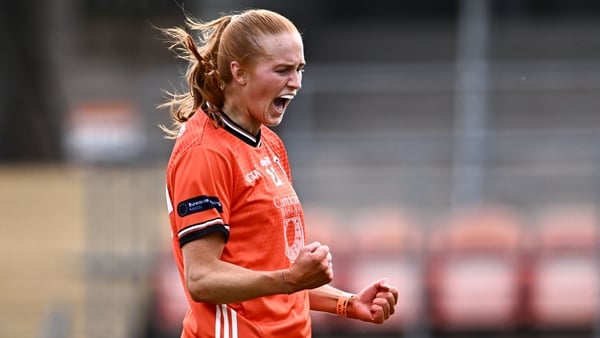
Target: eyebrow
column 291, row 64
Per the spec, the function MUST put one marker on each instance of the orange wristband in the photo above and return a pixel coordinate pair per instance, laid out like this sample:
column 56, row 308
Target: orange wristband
column 341, row 308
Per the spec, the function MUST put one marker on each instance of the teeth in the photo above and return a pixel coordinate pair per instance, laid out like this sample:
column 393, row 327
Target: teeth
column 287, row 97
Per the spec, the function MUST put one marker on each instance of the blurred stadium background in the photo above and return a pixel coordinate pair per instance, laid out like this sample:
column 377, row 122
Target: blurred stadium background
column 450, row 145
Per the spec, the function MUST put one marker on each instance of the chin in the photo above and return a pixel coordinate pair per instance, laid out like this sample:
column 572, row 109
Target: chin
column 273, row 123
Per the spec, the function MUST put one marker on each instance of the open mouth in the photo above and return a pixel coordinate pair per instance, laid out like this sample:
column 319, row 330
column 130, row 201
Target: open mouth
column 282, row 102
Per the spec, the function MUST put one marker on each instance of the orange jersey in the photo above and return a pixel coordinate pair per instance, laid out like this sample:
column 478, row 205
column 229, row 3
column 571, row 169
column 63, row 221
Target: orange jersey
column 228, row 181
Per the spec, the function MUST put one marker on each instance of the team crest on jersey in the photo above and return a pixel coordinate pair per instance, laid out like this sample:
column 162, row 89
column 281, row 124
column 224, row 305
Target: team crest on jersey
column 293, row 229
column 294, row 237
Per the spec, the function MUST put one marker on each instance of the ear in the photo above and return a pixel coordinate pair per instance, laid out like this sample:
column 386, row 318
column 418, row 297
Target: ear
column 238, row 73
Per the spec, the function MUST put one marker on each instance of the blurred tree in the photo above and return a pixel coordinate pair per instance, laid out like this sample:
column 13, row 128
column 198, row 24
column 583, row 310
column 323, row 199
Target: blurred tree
column 30, row 100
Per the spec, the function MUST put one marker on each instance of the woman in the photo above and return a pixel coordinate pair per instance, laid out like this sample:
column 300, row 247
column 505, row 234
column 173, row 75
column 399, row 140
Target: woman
column 237, row 224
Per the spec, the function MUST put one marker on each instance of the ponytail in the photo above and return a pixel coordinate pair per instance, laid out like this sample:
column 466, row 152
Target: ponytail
column 203, row 76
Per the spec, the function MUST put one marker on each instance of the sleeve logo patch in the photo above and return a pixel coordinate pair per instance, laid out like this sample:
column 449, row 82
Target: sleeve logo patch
column 198, row 204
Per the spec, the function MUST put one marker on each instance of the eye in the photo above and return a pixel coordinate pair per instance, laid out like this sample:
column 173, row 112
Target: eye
column 286, row 70
column 282, row 70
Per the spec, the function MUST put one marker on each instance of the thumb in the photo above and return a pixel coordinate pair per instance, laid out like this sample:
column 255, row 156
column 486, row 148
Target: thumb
column 311, row 247
column 384, row 284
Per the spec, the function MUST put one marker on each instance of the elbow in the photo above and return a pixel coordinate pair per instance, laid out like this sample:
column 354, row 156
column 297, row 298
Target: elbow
column 199, row 291
column 195, row 293
column 197, row 298
column 199, row 295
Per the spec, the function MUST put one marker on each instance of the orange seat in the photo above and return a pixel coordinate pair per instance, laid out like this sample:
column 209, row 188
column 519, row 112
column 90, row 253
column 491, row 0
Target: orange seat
column 565, row 277
column 388, row 243
column 474, row 277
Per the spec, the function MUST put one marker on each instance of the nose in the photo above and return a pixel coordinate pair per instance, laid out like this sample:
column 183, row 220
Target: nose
column 295, row 80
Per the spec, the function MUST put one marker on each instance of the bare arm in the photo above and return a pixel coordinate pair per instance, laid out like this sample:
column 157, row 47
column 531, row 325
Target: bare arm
column 211, row 280
column 324, row 298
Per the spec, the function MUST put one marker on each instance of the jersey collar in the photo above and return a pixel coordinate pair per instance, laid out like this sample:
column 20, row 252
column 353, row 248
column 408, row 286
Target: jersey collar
column 240, row 132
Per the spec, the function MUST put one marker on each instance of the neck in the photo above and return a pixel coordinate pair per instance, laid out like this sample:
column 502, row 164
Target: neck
column 242, row 118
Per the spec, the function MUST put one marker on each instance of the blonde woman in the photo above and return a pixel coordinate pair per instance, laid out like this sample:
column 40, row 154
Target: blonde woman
column 237, row 223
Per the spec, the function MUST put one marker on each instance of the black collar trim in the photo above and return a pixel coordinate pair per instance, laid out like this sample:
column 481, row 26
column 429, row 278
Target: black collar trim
column 240, row 132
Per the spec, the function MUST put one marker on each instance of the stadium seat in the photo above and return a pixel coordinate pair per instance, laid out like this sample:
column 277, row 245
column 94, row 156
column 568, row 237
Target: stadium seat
column 564, row 278
column 388, row 243
column 474, row 276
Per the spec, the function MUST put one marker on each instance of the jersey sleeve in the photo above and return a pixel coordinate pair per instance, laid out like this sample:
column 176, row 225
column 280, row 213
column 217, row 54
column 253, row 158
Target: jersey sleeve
column 200, row 191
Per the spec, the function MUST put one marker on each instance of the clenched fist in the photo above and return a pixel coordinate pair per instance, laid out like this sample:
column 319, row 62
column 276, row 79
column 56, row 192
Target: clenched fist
column 375, row 303
column 311, row 269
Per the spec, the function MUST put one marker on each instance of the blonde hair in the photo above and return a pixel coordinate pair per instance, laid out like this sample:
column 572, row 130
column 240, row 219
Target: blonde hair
column 232, row 37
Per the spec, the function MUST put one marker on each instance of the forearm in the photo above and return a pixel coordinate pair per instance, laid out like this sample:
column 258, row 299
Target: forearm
column 211, row 280
column 325, row 298
column 225, row 283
